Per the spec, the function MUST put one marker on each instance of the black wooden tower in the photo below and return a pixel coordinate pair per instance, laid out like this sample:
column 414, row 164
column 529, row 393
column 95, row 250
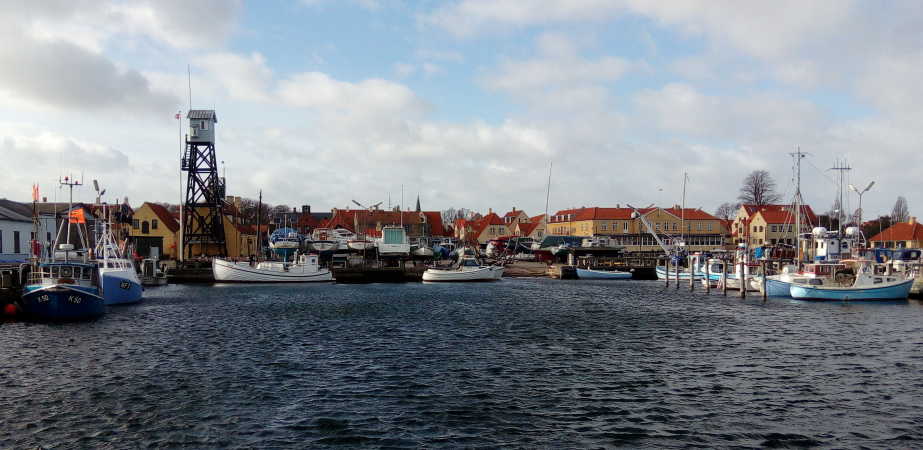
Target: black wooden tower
column 203, row 224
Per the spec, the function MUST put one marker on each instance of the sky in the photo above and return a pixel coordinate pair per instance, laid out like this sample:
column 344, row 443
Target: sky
column 466, row 103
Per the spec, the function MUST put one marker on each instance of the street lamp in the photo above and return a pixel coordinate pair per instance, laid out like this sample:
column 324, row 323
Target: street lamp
column 853, row 188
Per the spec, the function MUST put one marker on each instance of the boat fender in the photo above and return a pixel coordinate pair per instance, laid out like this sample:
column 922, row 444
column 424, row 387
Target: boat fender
column 9, row 310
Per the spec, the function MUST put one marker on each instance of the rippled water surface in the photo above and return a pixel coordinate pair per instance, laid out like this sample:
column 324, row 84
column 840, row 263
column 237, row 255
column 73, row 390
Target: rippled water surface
column 518, row 363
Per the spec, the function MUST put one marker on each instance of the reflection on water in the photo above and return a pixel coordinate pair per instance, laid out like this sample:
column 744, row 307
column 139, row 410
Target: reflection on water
column 518, row 363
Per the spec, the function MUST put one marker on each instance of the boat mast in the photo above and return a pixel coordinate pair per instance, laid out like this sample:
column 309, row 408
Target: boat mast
column 70, row 183
column 259, row 216
column 682, row 216
column 548, row 194
column 798, row 155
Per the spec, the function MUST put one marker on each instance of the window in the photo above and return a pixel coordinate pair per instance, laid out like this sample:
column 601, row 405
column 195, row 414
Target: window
column 135, row 224
column 145, row 229
column 698, row 226
column 674, row 226
column 755, row 228
column 48, row 237
column 16, row 242
column 709, row 226
column 624, row 227
column 603, row 227
column 657, row 226
column 790, row 228
column 204, row 125
column 154, row 224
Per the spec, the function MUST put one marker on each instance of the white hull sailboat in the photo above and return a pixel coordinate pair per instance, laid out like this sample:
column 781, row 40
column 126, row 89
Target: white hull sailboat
column 468, row 268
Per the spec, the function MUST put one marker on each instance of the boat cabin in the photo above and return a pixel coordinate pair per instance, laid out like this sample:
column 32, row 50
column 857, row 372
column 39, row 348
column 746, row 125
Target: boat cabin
column 48, row 274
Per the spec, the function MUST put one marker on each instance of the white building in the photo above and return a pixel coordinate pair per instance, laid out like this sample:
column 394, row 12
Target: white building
column 15, row 234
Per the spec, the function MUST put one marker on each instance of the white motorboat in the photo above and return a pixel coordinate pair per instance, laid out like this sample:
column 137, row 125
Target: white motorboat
column 393, row 241
column 360, row 244
column 304, row 269
column 425, row 252
column 468, row 268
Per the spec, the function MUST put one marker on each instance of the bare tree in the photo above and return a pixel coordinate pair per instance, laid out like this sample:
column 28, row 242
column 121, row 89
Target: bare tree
column 726, row 211
column 900, row 212
column 759, row 189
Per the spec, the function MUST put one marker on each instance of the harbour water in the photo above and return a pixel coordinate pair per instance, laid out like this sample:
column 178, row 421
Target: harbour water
column 518, row 363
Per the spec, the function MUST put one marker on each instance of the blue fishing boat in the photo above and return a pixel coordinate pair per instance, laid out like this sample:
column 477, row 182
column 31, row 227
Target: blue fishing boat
column 868, row 285
column 63, row 291
column 66, row 287
column 118, row 279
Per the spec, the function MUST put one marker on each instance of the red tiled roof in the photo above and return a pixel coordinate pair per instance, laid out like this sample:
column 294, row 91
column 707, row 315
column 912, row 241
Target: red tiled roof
column 513, row 213
column 526, row 228
column 784, row 214
column 490, row 219
column 537, row 218
column 901, row 231
column 348, row 218
column 165, row 217
column 690, row 213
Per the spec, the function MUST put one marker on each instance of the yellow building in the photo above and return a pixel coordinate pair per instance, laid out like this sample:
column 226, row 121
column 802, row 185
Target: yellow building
column 702, row 230
column 154, row 227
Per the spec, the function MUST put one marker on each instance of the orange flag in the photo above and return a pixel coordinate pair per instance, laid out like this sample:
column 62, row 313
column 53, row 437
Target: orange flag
column 76, row 216
column 34, row 192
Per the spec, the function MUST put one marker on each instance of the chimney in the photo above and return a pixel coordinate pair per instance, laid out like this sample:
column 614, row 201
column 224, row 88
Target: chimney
column 514, row 209
column 44, row 199
column 913, row 220
column 306, row 209
column 490, row 210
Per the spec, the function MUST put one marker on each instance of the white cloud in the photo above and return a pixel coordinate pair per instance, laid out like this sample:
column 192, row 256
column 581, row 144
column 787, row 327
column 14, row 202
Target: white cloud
column 558, row 66
column 62, row 75
column 244, row 77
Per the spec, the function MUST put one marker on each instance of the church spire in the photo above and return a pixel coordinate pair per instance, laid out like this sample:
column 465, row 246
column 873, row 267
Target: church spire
column 418, row 202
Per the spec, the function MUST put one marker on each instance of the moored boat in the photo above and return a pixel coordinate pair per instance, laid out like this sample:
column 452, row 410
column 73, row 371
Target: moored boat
column 468, row 268
column 63, row 291
column 304, row 269
column 589, row 274
column 868, row 285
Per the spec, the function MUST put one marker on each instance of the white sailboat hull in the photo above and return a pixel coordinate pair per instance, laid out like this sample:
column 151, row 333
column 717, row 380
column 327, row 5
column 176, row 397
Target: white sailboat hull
column 227, row 271
column 483, row 273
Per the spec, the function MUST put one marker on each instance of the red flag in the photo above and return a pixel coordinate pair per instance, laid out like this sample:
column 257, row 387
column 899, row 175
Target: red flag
column 178, row 115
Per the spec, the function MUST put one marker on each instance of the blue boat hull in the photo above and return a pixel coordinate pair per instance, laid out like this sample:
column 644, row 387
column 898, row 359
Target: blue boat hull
column 62, row 303
column 894, row 292
column 120, row 291
column 584, row 274
column 777, row 288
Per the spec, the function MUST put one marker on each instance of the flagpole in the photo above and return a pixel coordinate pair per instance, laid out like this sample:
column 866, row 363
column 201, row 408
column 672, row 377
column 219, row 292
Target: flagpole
column 179, row 245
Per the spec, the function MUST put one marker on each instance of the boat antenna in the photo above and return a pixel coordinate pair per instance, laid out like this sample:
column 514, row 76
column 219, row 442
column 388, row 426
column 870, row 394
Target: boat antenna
column 682, row 214
column 259, row 217
column 189, row 79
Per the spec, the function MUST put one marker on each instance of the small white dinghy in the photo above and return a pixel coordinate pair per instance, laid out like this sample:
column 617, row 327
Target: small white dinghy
column 304, row 269
column 468, row 268
column 589, row 274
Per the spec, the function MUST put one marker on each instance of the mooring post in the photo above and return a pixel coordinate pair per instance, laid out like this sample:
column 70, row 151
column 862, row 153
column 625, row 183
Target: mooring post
column 707, row 277
column 689, row 260
column 763, row 282
column 724, row 278
column 742, row 280
column 676, row 268
column 668, row 272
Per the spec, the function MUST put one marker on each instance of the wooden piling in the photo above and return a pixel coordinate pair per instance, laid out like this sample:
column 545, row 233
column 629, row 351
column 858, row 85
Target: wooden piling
column 742, row 279
column 763, row 282
column 691, row 273
column 724, row 279
column 677, row 275
column 707, row 277
column 668, row 272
